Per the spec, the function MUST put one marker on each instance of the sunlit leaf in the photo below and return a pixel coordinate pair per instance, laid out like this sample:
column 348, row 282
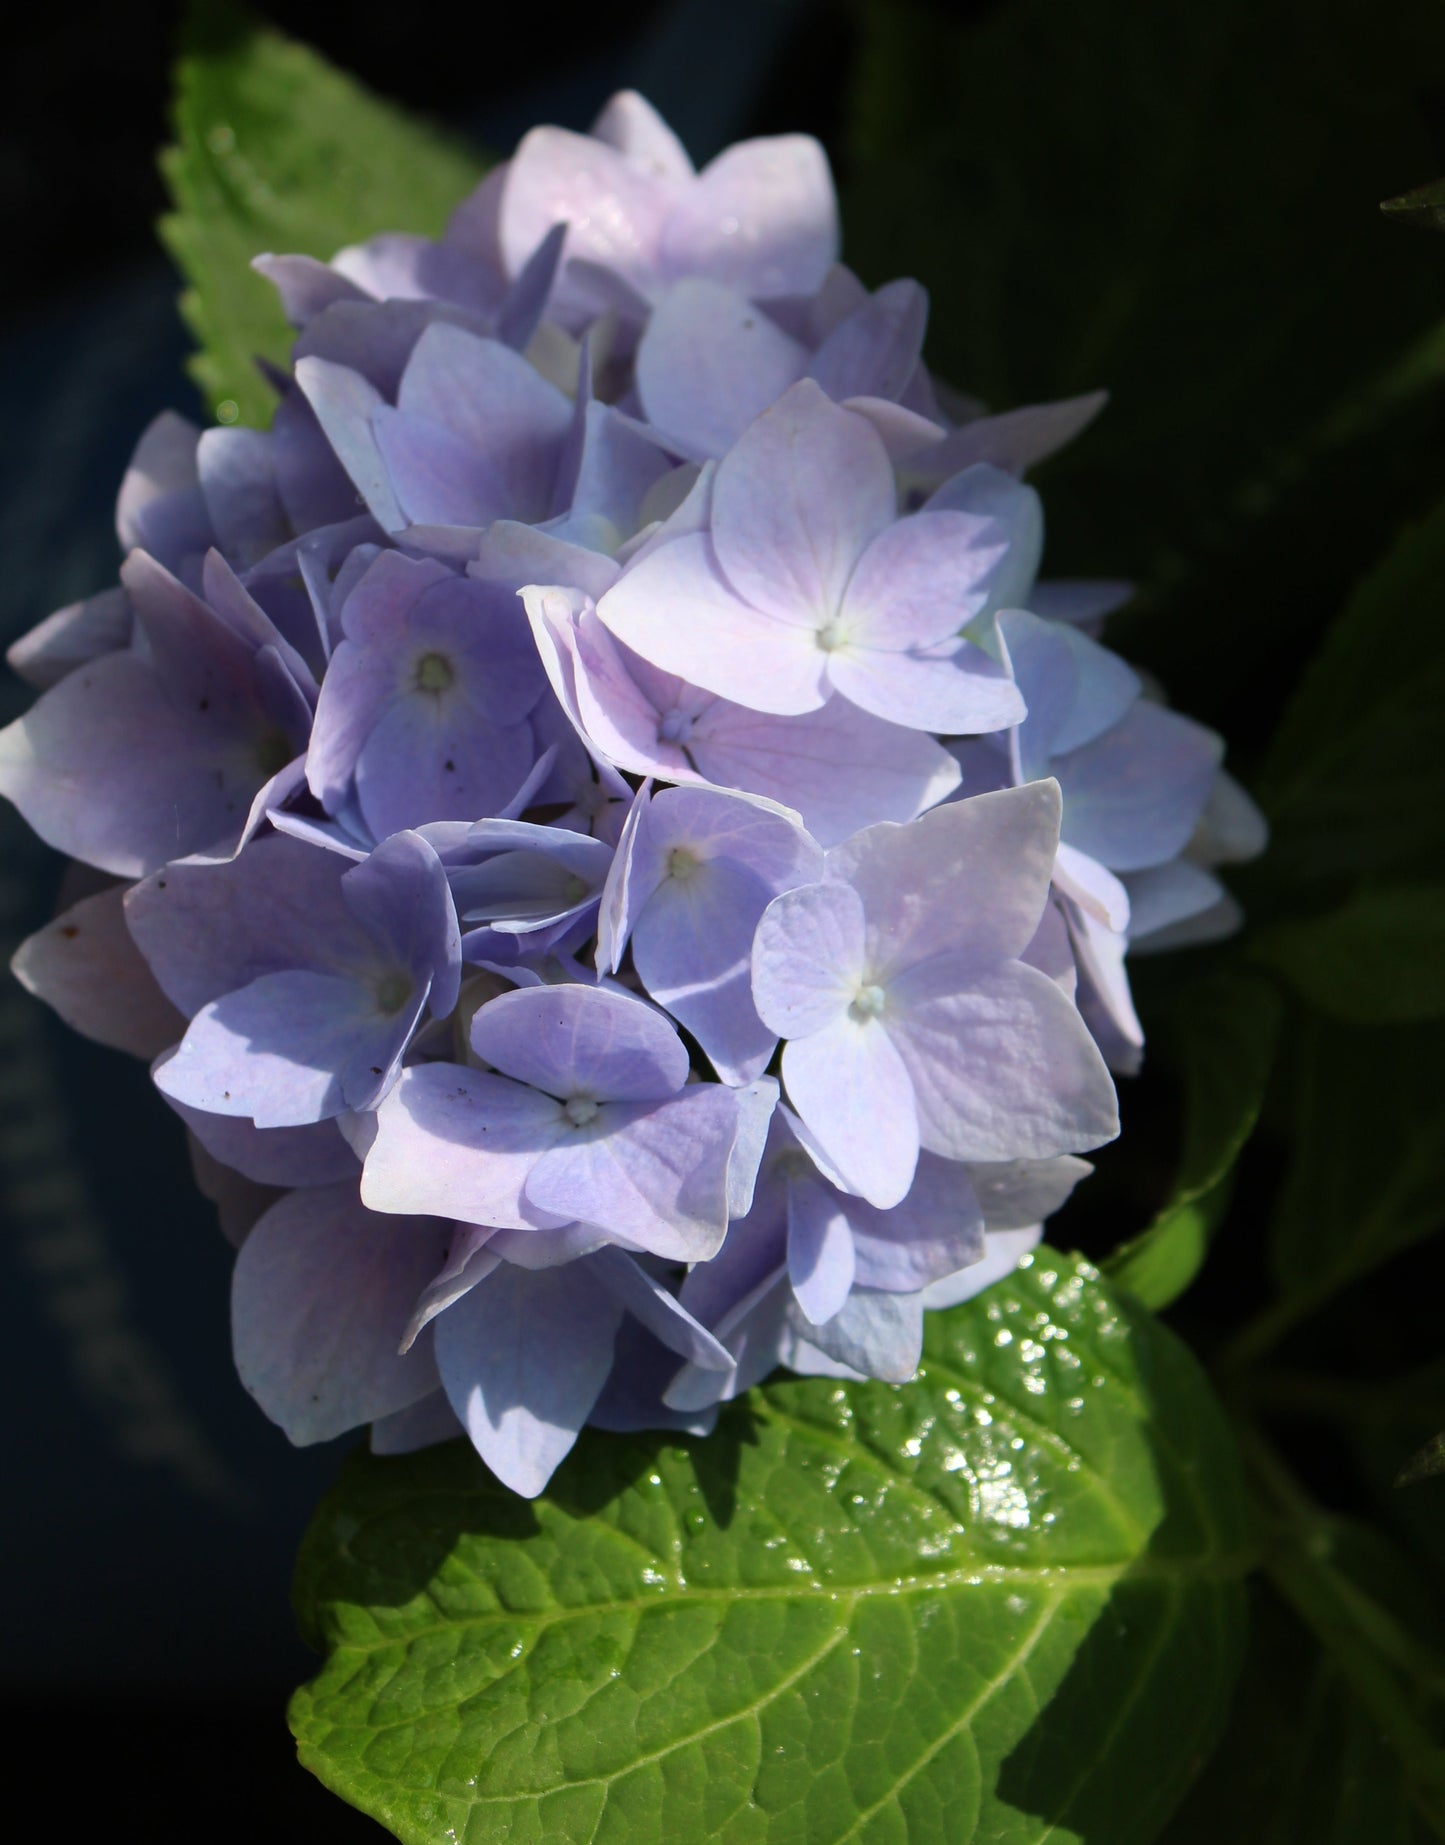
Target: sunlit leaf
column 969, row 1608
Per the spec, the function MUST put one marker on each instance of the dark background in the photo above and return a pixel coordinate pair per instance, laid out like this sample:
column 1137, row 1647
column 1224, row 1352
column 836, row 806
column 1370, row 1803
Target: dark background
column 151, row 1513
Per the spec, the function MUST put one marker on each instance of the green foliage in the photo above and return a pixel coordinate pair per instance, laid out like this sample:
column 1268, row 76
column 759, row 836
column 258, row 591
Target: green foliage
column 1224, row 1031
column 1304, row 1757
column 964, row 1609
column 1352, row 782
column 276, row 150
column 1378, row 960
column 1368, row 1153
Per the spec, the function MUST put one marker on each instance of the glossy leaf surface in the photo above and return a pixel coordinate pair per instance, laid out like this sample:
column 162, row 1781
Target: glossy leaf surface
column 968, row 1608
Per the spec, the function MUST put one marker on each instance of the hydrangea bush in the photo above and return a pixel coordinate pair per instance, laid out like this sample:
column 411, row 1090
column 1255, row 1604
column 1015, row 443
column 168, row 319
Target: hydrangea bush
column 630, row 866
column 615, row 824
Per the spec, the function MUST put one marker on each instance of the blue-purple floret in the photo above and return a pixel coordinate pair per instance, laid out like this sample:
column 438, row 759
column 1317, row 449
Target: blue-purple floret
column 606, row 815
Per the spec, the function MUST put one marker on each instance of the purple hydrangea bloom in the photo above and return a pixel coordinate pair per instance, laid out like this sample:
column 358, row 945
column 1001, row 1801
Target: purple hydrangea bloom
column 423, row 712
column 840, row 768
column 612, row 827
column 1135, row 778
column 694, row 872
column 172, row 746
column 529, row 889
column 305, row 979
column 910, row 1020
column 761, row 217
column 807, row 584
column 583, row 1113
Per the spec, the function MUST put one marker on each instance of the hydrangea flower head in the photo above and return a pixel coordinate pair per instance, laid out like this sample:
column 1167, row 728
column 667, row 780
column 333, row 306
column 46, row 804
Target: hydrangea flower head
column 610, row 823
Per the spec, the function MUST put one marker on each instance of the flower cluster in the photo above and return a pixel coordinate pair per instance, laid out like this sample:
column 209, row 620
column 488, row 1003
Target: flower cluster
column 622, row 865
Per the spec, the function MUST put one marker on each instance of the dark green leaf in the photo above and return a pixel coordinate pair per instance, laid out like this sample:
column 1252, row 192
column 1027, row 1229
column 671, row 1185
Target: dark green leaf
column 999, row 1603
column 1180, row 204
column 1224, row 1032
column 1337, row 1733
column 275, row 150
column 1376, row 1620
column 1109, row 195
column 1367, row 1172
column 1379, row 960
column 1353, row 778
column 1424, row 207
column 1302, row 1759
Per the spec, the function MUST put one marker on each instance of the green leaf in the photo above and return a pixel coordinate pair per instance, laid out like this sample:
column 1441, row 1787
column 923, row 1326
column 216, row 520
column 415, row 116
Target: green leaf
column 999, row 1603
column 1367, row 1171
column 1424, row 207
column 1302, row 1759
column 1224, row 1031
column 1338, row 1732
column 1376, row 1619
column 275, row 150
column 1378, row 960
column 1353, row 778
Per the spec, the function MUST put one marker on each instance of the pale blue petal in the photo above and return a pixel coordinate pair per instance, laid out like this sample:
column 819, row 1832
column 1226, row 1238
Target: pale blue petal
column 762, row 217
column 808, row 958
column 952, row 688
column 469, row 1259
column 874, row 351
column 1001, row 1063
column 582, row 1041
column 937, row 1229
column 1085, row 882
column 208, row 929
column 1168, row 894
column 840, row 767
column 319, row 1300
column 970, row 877
column 85, row 964
column 523, row 1358
column 655, row 1174
column 917, row 582
column 1133, row 797
column 1018, row 439
column 875, row 1334
column 288, row 1049
column 692, row 948
column 1017, row 1194
column 796, row 504
column 1017, row 511
column 675, row 609
column 756, row 1104
column 708, row 363
column 343, row 402
column 458, row 1143
column 1006, row 1248
column 659, row 1310
column 852, row 1090
column 820, row 1248
column 312, row 1155
column 423, row 1425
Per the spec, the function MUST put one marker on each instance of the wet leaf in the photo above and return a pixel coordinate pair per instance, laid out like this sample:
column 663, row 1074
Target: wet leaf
column 967, row 1608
